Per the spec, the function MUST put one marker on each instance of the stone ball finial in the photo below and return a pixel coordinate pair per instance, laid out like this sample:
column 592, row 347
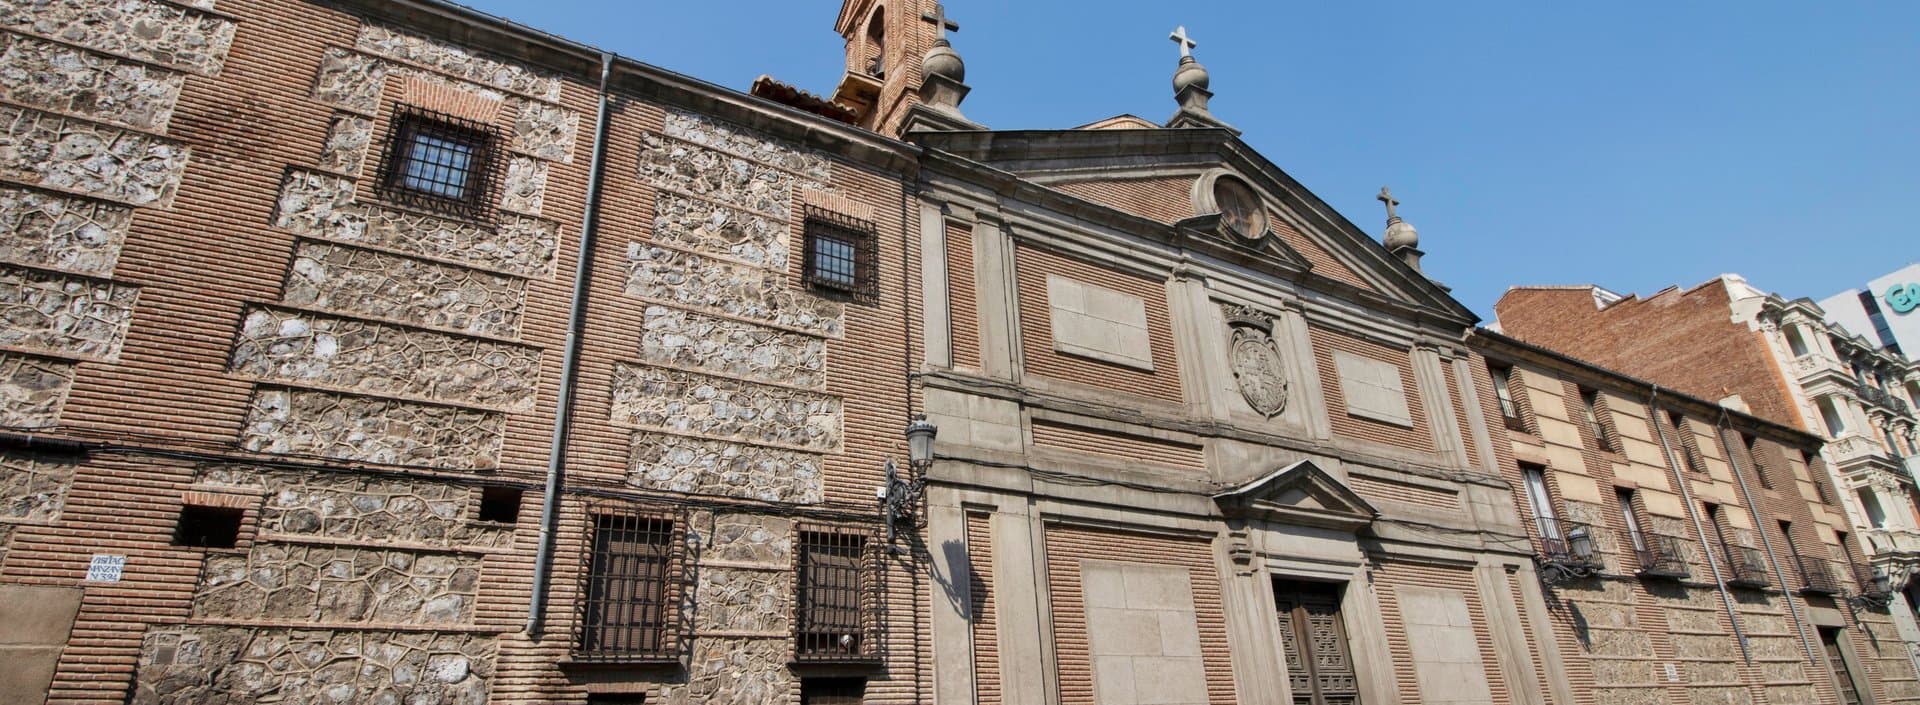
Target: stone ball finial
column 1190, row 74
column 943, row 61
column 1400, row 234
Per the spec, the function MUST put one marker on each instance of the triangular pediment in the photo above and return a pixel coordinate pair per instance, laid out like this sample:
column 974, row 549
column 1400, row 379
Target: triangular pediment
column 1157, row 174
column 1300, row 493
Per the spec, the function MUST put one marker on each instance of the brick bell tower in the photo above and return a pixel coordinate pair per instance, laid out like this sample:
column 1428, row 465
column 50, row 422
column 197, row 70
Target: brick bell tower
column 886, row 42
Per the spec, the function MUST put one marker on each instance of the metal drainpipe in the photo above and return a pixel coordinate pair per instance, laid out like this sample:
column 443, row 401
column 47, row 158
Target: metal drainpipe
column 570, row 362
column 1766, row 544
column 1693, row 512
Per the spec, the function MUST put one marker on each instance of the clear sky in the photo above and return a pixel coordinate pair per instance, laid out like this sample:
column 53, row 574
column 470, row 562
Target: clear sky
column 1630, row 144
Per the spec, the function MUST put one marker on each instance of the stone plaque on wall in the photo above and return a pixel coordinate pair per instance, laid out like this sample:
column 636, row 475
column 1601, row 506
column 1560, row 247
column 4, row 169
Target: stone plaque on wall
column 1097, row 322
column 1372, row 388
column 1446, row 654
column 1142, row 636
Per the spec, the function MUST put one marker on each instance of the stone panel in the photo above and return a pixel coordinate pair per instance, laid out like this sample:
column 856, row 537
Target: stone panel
column 687, row 279
column 349, row 138
column 733, row 672
column 732, row 348
column 63, row 315
column 368, row 429
column 322, row 206
column 735, row 600
column 705, row 131
column 750, row 538
column 364, row 508
column 53, row 231
column 1093, row 321
column 1372, row 388
column 32, row 491
column 32, row 390
column 372, row 358
column 1142, row 637
column 338, row 584
column 350, row 80
column 68, row 80
column 663, row 461
column 77, row 156
column 685, row 402
column 148, row 30
column 711, row 228
column 718, row 176
column 1699, row 646
column 456, row 61
column 544, row 131
column 525, row 187
column 202, row 665
column 373, row 283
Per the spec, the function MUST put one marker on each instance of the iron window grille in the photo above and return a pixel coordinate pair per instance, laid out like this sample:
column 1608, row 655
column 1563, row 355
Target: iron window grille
column 628, row 611
column 836, row 596
column 1745, row 567
column 438, row 162
column 840, row 254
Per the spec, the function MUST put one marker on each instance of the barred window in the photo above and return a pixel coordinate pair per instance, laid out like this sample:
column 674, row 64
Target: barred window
column 840, row 253
column 439, row 162
column 627, row 610
column 835, row 604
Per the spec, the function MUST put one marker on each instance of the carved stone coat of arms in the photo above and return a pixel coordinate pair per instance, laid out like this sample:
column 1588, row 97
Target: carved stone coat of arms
column 1257, row 366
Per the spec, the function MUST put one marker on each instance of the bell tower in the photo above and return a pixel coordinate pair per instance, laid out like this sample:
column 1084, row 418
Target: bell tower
column 886, row 43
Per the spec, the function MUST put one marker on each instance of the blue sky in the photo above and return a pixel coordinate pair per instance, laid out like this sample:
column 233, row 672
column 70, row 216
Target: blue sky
column 1633, row 145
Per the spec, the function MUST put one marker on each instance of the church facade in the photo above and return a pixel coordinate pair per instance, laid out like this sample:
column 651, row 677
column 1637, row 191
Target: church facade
column 384, row 351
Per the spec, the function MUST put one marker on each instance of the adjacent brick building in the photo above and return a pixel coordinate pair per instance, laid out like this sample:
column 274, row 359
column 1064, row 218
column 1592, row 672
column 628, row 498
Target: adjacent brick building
column 383, row 351
column 1779, row 359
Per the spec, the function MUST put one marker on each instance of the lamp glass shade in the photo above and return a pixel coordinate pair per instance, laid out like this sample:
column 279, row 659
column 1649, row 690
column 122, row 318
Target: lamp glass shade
column 920, row 435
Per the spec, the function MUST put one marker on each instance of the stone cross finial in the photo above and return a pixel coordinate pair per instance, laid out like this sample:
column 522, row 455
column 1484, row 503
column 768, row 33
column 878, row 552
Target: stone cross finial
column 1186, row 43
column 1387, row 198
column 939, row 19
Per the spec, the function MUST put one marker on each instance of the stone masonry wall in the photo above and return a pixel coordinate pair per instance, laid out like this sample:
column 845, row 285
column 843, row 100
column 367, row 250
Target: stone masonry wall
column 370, row 429
column 53, row 231
column 663, row 461
column 370, row 358
column 32, row 390
column 690, row 403
column 200, row 665
column 152, row 31
column 77, row 156
column 74, row 81
column 363, row 508
column 379, row 285
column 743, row 595
column 32, row 491
column 338, row 584
column 319, row 205
column 63, row 315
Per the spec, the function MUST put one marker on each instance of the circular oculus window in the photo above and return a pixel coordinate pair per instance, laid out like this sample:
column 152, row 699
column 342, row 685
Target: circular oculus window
column 1241, row 211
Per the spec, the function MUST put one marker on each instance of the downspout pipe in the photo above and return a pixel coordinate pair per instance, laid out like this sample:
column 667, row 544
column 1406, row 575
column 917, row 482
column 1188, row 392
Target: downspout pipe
column 570, row 362
column 1766, row 544
column 1700, row 530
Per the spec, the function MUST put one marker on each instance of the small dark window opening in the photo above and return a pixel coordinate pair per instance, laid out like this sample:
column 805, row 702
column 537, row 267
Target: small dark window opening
column 438, row 162
column 1816, row 474
column 626, row 613
column 1601, row 435
column 207, row 527
column 1753, row 456
column 840, row 254
column 500, row 505
column 1503, row 390
column 832, row 691
column 616, row 698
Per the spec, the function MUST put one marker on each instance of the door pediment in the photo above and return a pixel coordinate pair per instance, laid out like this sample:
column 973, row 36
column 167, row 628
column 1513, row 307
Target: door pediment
column 1301, row 494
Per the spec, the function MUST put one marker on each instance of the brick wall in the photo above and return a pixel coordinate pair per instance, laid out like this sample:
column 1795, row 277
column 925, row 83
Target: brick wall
column 1032, row 265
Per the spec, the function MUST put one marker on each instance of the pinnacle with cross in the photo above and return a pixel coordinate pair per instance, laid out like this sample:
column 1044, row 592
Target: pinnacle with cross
column 1186, row 43
column 938, row 18
column 1387, row 198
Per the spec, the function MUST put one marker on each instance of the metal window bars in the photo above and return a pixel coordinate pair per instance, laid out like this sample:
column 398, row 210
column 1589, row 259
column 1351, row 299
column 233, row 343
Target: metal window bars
column 1745, row 567
column 438, row 162
column 837, row 595
column 1663, row 556
column 1817, row 576
column 840, row 254
column 628, row 608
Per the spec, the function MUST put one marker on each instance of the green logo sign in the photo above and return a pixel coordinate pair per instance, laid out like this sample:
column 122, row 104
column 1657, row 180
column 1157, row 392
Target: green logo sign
column 1903, row 297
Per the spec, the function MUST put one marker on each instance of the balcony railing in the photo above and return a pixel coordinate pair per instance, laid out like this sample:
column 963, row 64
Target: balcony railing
column 1817, row 576
column 1851, row 447
column 1869, row 583
column 1746, row 567
column 1874, row 395
column 1663, row 557
column 1812, row 364
column 1567, row 542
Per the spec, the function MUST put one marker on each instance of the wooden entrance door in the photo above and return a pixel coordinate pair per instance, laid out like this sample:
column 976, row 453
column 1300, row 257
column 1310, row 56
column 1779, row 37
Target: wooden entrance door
column 1319, row 665
column 1849, row 691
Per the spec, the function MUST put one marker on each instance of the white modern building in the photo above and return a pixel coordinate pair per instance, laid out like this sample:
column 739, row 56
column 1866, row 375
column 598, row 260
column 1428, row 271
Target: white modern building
column 1886, row 312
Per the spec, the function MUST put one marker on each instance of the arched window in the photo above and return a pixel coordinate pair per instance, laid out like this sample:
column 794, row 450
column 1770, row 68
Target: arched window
column 875, row 46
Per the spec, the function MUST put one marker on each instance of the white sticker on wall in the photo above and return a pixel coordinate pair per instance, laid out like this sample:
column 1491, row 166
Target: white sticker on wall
column 1673, row 674
column 105, row 568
